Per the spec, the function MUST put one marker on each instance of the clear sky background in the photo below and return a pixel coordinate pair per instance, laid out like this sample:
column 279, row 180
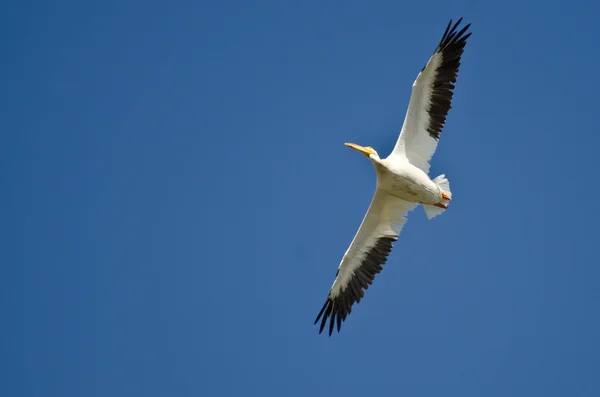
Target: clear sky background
column 176, row 198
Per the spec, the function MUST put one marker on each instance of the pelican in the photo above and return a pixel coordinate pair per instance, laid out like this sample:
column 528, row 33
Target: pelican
column 403, row 180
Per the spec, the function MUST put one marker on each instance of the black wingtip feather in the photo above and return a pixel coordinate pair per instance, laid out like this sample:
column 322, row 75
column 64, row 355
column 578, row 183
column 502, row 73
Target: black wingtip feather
column 336, row 309
column 320, row 313
column 451, row 47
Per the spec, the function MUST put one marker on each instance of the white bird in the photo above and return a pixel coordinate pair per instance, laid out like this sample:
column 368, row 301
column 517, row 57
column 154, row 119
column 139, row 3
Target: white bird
column 402, row 179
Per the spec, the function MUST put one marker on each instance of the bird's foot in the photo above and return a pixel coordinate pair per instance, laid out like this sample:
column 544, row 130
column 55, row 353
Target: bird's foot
column 445, row 196
column 441, row 205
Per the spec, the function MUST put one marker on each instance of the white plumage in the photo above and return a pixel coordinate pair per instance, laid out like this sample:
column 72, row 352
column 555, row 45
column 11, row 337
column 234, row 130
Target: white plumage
column 402, row 179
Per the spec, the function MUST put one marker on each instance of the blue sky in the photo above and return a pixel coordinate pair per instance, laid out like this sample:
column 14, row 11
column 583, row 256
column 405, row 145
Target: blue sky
column 177, row 198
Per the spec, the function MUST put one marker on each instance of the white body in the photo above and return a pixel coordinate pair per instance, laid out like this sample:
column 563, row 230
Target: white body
column 401, row 179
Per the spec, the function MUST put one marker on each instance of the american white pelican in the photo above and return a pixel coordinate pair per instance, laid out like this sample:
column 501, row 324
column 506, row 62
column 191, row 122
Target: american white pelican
column 402, row 179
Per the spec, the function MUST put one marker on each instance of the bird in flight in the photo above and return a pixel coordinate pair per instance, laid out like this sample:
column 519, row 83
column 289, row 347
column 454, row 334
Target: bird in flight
column 402, row 179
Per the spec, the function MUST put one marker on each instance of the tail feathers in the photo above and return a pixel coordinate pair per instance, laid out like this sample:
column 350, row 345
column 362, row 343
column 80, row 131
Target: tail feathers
column 444, row 185
column 432, row 210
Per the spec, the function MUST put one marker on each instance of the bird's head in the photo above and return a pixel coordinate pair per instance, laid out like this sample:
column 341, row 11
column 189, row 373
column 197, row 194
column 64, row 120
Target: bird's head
column 367, row 151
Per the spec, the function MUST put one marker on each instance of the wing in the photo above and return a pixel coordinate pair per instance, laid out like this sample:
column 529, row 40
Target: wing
column 431, row 99
column 365, row 256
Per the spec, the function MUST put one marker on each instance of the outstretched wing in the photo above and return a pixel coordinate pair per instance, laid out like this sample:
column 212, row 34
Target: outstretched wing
column 431, row 99
column 365, row 257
